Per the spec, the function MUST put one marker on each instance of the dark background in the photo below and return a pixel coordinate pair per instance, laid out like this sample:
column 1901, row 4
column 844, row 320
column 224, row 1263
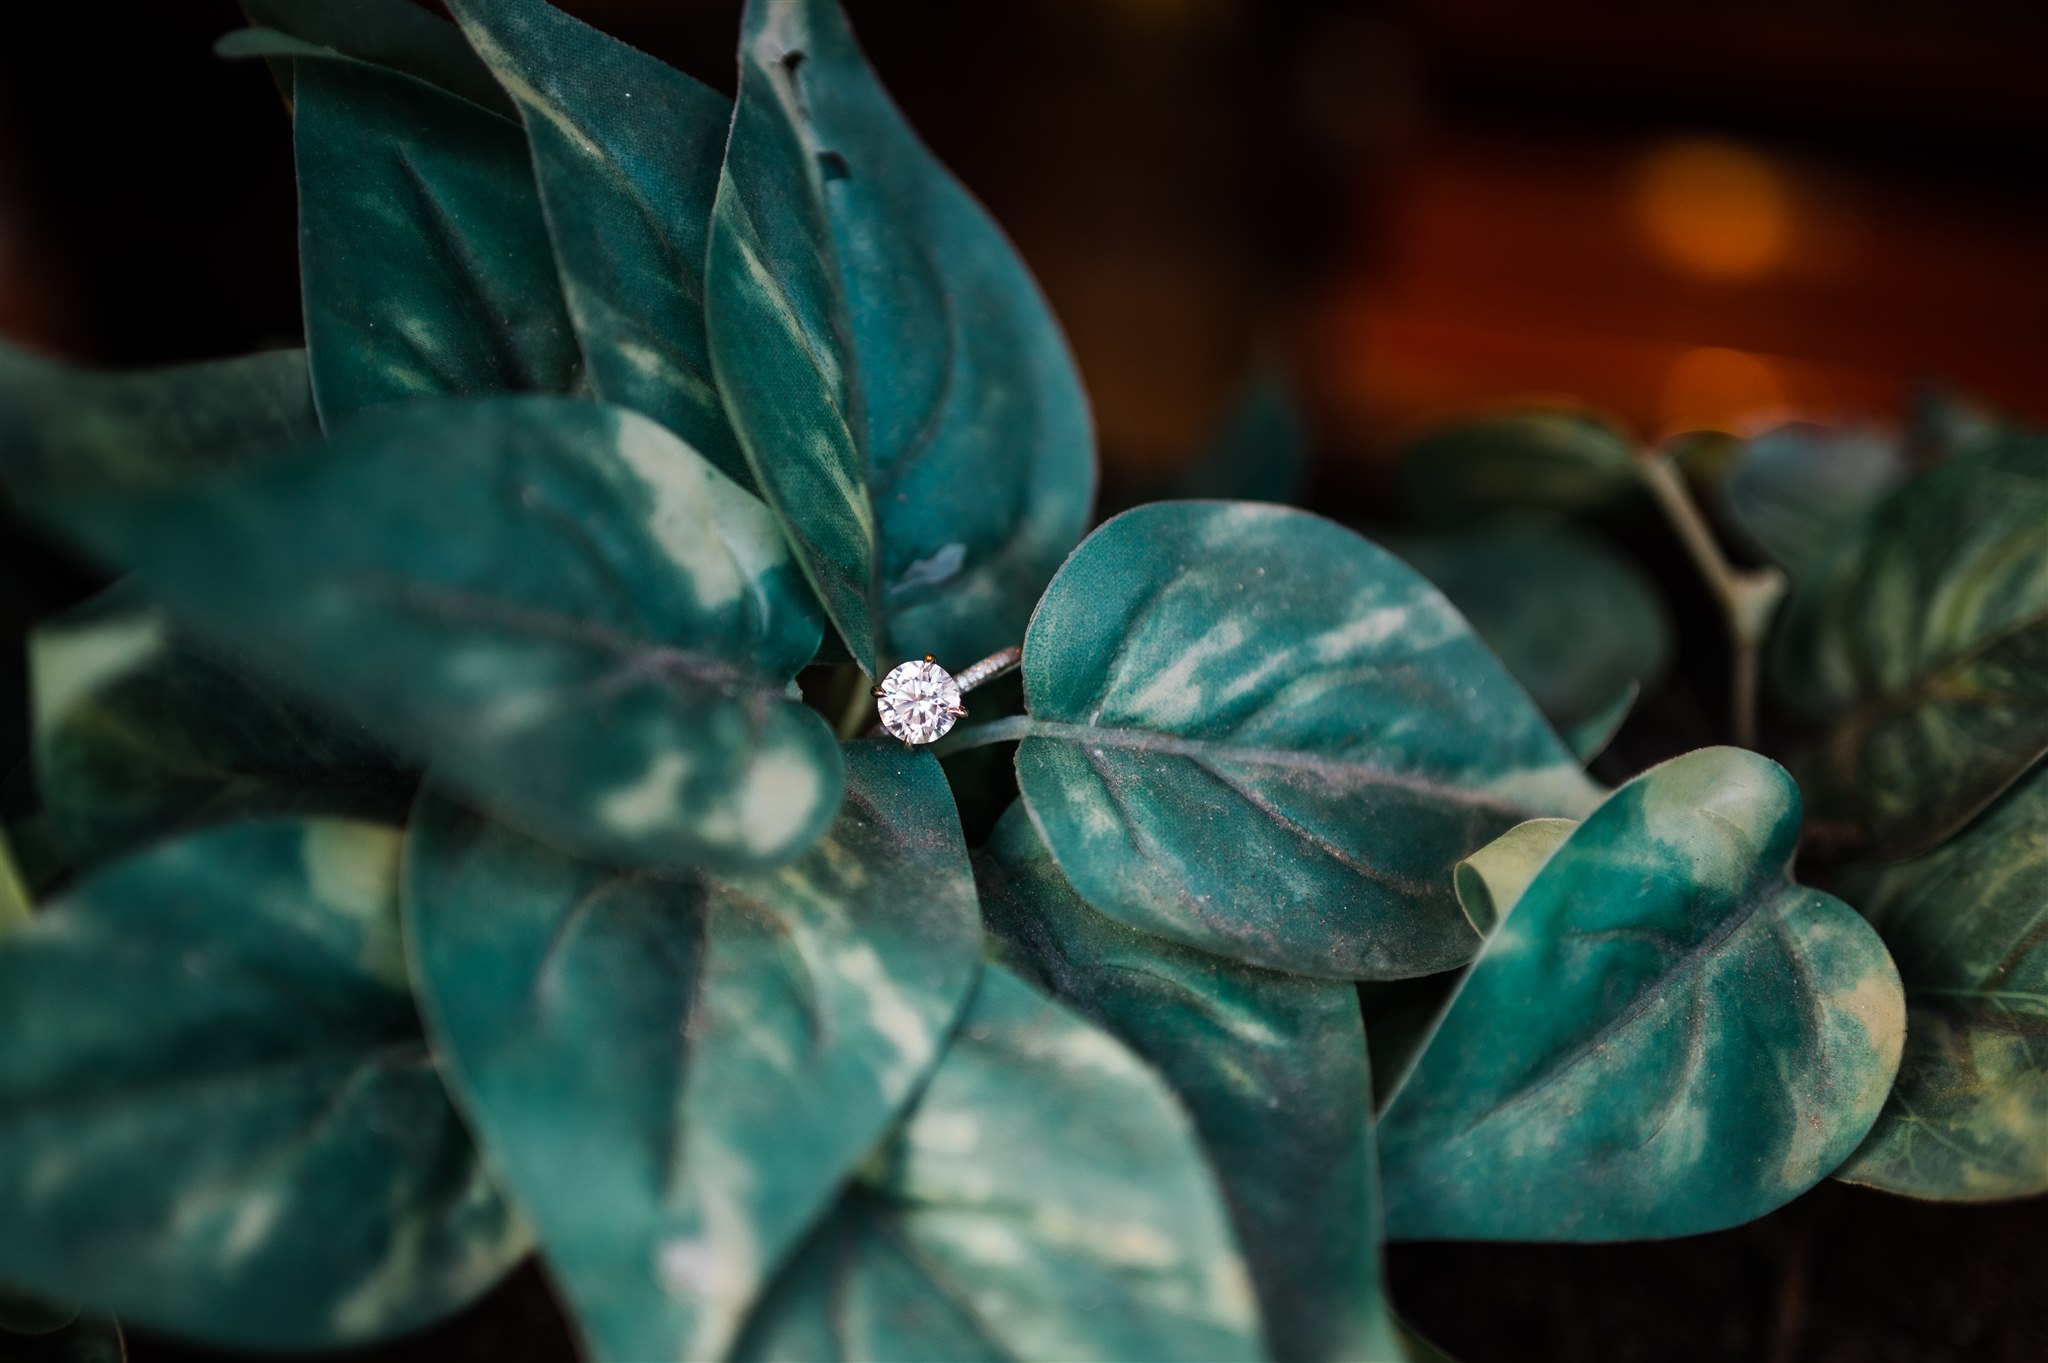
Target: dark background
column 1687, row 213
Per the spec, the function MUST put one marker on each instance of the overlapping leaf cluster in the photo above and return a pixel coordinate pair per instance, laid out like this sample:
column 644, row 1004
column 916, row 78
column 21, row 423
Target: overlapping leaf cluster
column 434, row 861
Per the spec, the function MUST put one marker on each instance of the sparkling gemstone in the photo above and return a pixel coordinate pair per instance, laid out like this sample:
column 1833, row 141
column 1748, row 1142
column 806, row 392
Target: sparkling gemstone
column 918, row 701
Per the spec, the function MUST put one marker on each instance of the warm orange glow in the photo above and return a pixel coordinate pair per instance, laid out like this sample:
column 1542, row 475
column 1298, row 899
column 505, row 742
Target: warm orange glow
column 1714, row 208
column 1712, row 388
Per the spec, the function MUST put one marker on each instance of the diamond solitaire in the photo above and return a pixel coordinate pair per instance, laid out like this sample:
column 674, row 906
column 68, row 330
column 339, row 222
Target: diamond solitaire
column 919, row 701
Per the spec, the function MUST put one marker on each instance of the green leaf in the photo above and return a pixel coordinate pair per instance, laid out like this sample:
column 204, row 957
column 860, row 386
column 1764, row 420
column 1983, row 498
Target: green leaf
column 60, row 424
column 581, row 624
column 217, row 1114
column 1665, row 1035
column 899, row 385
column 1490, row 880
column 1260, row 454
column 1798, row 487
column 1045, row 1199
column 1556, row 460
column 140, row 730
column 1575, row 622
column 710, row 1056
column 15, row 903
column 1921, row 649
column 1254, row 732
column 1271, row 1067
column 423, row 255
column 626, row 151
column 1968, row 1118
column 398, row 34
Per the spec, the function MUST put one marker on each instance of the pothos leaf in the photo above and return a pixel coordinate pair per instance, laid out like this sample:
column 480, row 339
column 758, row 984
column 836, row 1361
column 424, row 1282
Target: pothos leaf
column 397, row 34
column 1664, row 1036
column 580, row 624
column 1044, row 1199
column 1490, row 880
column 897, row 381
column 711, row 1056
column 141, row 729
column 1797, row 487
column 1556, row 460
column 217, row 1114
column 424, row 259
column 1256, row 733
column 1574, row 622
column 62, row 424
column 626, row 151
column 1968, row 1118
column 1271, row 1067
column 15, row 904
column 1921, row 646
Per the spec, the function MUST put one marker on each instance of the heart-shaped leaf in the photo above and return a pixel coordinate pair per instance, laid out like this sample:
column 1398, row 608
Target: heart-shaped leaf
column 711, row 1057
column 395, row 33
column 1664, row 1036
column 1575, row 623
column 1045, row 1199
column 1254, row 732
column 1921, row 646
column 1557, row 460
column 1797, row 487
column 423, row 256
column 580, row 623
column 1968, row 1118
column 61, row 424
column 626, row 151
column 217, row 1114
column 897, row 381
column 141, row 730
column 1271, row 1067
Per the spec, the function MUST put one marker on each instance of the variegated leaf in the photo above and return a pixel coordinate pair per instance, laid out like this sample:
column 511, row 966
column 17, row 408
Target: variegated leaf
column 217, row 1114
column 1256, row 733
column 572, row 617
column 1271, row 1067
column 1968, row 1118
column 626, row 151
column 1665, row 1035
column 711, row 1056
column 1045, row 1199
column 898, row 383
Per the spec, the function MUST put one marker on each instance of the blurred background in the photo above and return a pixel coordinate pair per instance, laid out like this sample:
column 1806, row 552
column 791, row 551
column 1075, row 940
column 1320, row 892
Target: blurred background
column 1688, row 213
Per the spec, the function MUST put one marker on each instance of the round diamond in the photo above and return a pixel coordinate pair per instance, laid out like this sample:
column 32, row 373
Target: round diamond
column 919, row 701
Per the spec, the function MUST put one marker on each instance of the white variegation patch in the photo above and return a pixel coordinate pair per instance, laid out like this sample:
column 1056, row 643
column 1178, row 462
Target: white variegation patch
column 68, row 665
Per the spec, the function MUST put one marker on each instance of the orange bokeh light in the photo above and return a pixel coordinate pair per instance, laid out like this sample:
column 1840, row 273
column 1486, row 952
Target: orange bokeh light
column 1714, row 208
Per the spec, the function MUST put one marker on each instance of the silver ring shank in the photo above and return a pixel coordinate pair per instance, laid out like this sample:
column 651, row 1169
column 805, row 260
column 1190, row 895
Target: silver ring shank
column 989, row 668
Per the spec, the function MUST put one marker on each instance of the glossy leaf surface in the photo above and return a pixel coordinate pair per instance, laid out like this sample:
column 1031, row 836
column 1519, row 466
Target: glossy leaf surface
column 626, row 151
column 1921, row 648
column 896, row 379
column 1574, row 622
column 1968, row 1118
column 1555, row 460
column 1254, row 732
column 1664, row 1036
column 711, row 1056
column 1271, row 1067
column 65, row 426
column 141, row 729
column 217, row 1114
column 574, row 618
column 425, row 263
column 1045, row 1199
